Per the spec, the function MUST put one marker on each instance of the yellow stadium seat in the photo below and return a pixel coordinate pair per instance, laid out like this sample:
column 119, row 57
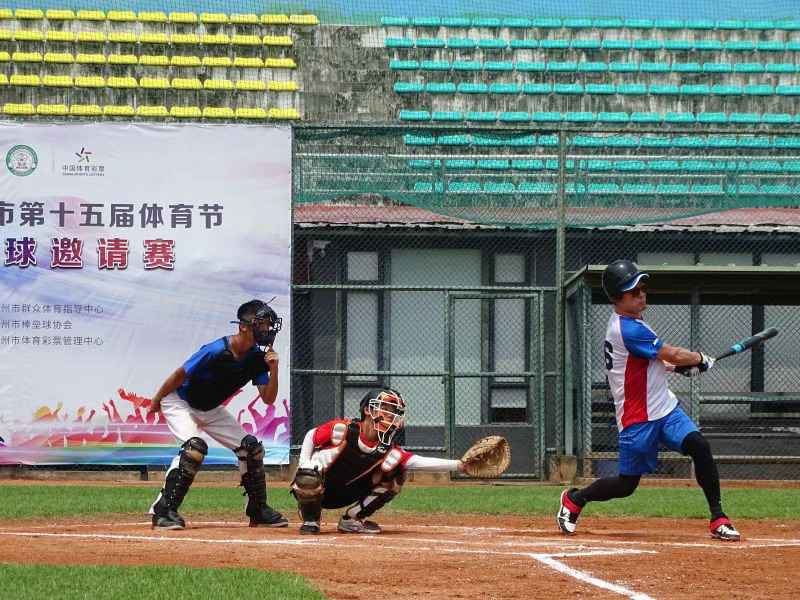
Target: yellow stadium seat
column 274, row 19
column 10, row 108
column 219, row 38
column 122, row 59
column 6, row 34
column 59, row 36
column 59, row 15
column 184, row 38
column 283, row 113
column 151, row 60
column 218, row 84
column 251, row 62
column 85, row 110
column 64, row 58
column 121, row 16
column 6, row 13
column 282, row 86
column 210, row 112
column 245, row 40
column 121, row 82
column 26, row 80
column 213, row 18
column 152, row 111
column 28, row 13
column 3, row 79
column 90, row 81
column 251, row 113
column 244, row 19
column 251, row 85
column 154, row 83
column 153, row 38
column 123, row 110
column 155, row 16
column 303, row 20
column 280, row 63
column 122, row 37
column 217, row 61
column 90, row 59
column 185, row 61
column 26, row 57
column 5, row 56
column 278, row 40
column 185, row 112
column 191, row 83
column 57, row 81
column 183, row 17
column 91, row 15
column 57, row 110
column 28, row 35
column 98, row 37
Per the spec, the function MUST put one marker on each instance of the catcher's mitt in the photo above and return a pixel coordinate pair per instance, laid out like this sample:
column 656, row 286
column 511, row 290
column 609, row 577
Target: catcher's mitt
column 488, row 457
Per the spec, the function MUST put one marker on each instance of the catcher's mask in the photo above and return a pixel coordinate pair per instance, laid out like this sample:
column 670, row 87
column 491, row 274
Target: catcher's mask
column 259, row 316
column 387, row 409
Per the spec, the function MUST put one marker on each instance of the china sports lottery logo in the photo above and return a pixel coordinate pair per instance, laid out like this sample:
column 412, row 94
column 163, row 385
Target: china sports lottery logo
column 21, row 160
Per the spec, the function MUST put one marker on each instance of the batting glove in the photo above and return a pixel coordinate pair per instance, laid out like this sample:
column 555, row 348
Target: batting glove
column 706, row 362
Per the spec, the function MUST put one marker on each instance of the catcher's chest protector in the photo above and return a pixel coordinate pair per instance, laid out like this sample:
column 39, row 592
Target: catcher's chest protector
column 351, row 463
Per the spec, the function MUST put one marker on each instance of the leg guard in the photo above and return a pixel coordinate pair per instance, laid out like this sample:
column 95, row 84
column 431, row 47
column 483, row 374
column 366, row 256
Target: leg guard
column 180, row 478
column 379, row 496
column 307, row 489
column 254, row 482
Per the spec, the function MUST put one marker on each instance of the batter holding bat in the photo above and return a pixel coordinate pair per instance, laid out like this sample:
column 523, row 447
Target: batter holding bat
column 191, row 401
column 637, row 362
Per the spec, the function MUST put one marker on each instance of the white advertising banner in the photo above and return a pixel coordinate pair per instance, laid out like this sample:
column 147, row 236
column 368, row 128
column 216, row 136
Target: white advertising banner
column 126, row 248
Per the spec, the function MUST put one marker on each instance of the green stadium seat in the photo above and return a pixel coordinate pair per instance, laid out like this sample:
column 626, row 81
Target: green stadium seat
column 638, row 188
column 482, row 116
column 779, row 68
column 630, row 166
column 638, row 23
column 536, row 187
column 787, row 142
column 792, row 166
column 548, row 140
column 730, row 24
column 530, row 66
column 770, row 46
column 759, row 90
column 423, row 163
column 679, row 117
column 632, row 89
column 721, row 141
column 515, row 117
column 727, row 90
column 698, row 166
column 672, row 188
column 623, row 67
column 648, row 44
column 699, row 24
column 686, row 67
column 601, row 88
column 546, row 23
column 592, row 67
column 580, row 117
column 717, row 68
column 645, row 117
column 547, row 117
column 429, row 43
column 516, row 23
column 776, row 118
column 708, row 45
column 408, row 87
column 522, row 141
column 788, row 25
column 486, row 22
column 662, row 89
column 434, row 65
column 655, row 141
column 678, row 45
column 609, row 23
column 712, row 118
column 447, row 115
column 669, row 24
column 654, row 67
column 411, row 139
column 788, row 90
column 487, row 140
column 493, row 164
column 577, row 23
column 426, row 21
column 423, row 187
column 472, row 88
column 746, row 188
column 765, row 166
column 688, row 141
column 613, row 117
column 603, row 188
column 554, row 44
column 587, row 141
column 597, row 164
column 753, row 142
column 537, row 88
column 559, row 66
column 739, row 45
column 391, row 21
column 504, row 88
column 585, row 44
column 744, row 118
column 401, row 42
column 529, row 164
column 707, row 188
column 616, row 44
column 575, row 188
column 776, row 189
column 568, row 88
column 403, row 65
column 760, row 24
column 622, row 141
column 695, row 90
column 440, row 87
column 748, row 68
column 526, row 44
column 494, row 65
column 467, row 65
column 792, row 46
column 456, row 22
column 462, row 43
column 493, row 44
column 459, row 163
column 552, row 164
column 464, row 187
column 663, row 166
column 455, row 139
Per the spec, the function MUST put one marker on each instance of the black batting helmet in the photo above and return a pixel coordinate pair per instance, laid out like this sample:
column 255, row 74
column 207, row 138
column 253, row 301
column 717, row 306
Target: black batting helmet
column 621, row 276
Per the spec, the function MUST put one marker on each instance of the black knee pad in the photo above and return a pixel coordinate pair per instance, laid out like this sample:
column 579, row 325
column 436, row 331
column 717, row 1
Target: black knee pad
column 696, row 446
column 308, row 490
column 193, row 452
column 251, row 449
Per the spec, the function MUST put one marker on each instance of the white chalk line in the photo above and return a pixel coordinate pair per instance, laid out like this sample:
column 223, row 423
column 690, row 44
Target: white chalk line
column 560, row 567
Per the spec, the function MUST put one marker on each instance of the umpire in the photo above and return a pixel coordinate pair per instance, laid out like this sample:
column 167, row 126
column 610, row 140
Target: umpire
column 191, row 401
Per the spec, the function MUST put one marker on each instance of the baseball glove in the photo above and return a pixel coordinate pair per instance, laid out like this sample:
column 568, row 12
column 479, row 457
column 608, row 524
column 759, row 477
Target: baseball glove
column 488, row 457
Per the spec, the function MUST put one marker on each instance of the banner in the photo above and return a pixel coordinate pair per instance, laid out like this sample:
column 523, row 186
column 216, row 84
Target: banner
column 125, row 249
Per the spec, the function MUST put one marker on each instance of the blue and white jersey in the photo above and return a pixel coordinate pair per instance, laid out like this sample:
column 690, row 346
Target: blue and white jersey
column 638, row 380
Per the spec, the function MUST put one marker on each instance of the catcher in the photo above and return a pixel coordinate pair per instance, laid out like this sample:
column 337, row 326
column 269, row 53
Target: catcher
column 356, row 464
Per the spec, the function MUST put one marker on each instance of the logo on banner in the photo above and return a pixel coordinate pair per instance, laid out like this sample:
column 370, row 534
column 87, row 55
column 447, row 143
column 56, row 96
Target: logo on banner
column 21, row 160
column 84, row 165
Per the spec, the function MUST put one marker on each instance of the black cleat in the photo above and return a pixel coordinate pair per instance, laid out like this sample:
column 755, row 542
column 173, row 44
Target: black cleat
column 168, row 520
column 266, row 516
column 309, row 528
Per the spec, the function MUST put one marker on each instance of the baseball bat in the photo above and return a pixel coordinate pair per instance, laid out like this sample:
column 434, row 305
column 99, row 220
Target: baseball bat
column 749, row 343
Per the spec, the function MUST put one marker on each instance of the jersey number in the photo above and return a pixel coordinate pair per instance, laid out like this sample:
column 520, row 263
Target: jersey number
column 607, row 350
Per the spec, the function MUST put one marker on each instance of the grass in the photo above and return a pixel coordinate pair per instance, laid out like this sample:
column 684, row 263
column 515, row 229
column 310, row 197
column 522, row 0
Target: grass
column 28, row 501
column 149, row 583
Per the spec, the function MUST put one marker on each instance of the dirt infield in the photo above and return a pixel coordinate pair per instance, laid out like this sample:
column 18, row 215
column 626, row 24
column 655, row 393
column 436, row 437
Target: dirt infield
column 448, row 557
